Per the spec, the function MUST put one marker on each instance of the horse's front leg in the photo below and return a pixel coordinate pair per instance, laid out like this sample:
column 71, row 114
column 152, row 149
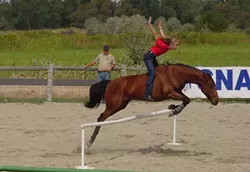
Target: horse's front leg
column 178, row 108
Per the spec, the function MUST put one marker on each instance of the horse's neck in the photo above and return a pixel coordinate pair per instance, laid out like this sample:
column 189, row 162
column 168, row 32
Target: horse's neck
column 185, row 74
column 193, row 76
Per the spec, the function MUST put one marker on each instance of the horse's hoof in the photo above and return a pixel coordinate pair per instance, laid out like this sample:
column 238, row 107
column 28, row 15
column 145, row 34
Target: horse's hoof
column 89, row 144
column 87, row 151
column 172, row 107
column 178, row 109
column 171, row 114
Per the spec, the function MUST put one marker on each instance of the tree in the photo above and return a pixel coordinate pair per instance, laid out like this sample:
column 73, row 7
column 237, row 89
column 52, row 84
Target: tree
column 69, row 6
column 55, row 14
column 4, row 25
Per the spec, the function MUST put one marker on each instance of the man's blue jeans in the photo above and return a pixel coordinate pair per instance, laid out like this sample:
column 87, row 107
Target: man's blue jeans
column 150, row 62
column 103, row 75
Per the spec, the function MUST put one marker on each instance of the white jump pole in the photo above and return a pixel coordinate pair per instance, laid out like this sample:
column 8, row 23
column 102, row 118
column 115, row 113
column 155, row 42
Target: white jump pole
column 83, row 166
column 174, row 133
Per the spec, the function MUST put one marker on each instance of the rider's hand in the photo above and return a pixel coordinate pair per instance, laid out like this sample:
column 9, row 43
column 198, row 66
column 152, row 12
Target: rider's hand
column 159, row 23
column 149, row 20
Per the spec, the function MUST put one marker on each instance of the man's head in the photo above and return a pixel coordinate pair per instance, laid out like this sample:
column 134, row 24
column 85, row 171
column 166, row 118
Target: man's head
column 105, row 49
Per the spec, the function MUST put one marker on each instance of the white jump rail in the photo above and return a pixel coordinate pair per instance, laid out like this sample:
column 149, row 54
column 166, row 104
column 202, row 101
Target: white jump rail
column 140, row 116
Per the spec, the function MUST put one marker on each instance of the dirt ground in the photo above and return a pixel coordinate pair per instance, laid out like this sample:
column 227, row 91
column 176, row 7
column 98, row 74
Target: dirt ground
column 213, row 139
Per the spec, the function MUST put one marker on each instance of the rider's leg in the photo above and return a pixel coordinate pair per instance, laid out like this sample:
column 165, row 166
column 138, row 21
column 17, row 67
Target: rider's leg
column 148, row 60
column 155, row 62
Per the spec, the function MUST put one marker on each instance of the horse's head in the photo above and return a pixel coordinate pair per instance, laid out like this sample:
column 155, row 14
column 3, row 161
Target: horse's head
column 208, row 87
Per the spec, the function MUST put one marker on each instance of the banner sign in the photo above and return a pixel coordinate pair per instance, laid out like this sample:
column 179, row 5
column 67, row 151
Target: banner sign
column 231, row 82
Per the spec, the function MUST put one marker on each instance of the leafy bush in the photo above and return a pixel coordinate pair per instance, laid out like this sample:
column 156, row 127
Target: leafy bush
column 114, row 25
column 173, row 24
column 187, row 27
column 94, row 26
column 216, row 22
column 137, row 45
column 137, row 23
column 232, row 28
column 248, row 31
column 4, row 25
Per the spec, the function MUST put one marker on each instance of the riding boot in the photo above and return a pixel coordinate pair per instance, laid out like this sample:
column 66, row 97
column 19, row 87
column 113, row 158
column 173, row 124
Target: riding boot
column 148, row 97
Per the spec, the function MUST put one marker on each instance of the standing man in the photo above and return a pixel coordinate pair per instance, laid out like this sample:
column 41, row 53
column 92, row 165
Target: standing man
column 106, row 64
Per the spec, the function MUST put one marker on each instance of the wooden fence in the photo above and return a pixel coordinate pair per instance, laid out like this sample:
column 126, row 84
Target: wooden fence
column 51, row 69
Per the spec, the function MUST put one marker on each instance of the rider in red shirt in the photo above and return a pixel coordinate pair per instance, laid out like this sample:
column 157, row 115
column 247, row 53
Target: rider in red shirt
column 162, row 45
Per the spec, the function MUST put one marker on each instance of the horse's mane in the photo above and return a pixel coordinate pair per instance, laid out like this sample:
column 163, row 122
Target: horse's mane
column 191, row 67
column 180, row 64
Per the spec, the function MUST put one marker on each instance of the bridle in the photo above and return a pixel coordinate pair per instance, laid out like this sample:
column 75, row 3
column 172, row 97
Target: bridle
column 209, row 85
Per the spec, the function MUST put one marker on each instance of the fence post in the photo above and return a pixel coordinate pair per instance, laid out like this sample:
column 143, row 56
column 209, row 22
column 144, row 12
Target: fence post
column 85, row 73
column 50, row 82
column 124, row 70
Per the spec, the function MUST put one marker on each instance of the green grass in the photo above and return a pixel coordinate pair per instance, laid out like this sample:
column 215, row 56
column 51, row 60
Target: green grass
column 193, row 55
column 212, row 55
column 71, row 57
column 202, row 55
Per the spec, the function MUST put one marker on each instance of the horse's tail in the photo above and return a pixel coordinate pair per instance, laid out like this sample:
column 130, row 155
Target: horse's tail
column 96, row 94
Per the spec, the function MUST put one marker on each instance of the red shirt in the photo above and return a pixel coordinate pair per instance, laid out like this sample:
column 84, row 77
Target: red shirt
column 159, row 48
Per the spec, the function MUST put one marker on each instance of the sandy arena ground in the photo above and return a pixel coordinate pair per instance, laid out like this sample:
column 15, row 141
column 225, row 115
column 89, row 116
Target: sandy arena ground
column 212, row 139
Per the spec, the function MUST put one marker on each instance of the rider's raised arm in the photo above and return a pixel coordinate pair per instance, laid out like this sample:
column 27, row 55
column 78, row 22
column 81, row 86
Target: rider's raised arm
column 161, row 30
column 152, row 28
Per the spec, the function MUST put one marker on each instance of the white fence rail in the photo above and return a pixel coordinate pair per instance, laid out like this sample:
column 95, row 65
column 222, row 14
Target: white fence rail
column 110, row 122
column 51, row 69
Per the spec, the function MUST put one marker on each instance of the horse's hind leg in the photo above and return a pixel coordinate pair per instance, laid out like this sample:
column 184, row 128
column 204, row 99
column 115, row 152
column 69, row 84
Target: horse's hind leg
column 107, row 113
column 101, row 118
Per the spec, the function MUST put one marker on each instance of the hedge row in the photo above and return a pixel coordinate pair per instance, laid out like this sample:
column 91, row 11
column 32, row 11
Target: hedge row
column 44, row 40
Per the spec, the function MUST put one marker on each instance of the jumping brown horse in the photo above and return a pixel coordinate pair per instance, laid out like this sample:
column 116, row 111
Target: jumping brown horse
column 169, row 82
